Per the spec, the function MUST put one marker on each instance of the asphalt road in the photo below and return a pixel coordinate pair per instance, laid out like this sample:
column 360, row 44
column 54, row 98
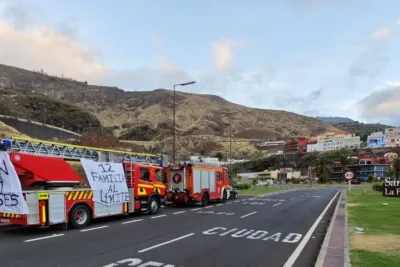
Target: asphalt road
column 271, row 231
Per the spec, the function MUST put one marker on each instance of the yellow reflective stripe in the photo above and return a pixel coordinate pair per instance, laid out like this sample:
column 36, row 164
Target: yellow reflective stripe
column 90, row 195
column 159, row 185
column 145, row 185
column 43, row 214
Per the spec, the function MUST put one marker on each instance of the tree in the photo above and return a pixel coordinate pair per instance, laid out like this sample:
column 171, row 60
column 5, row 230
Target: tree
column 254, row 181
column 323, row 168
column 219, row 155
column 395, row 169
column 203, row 152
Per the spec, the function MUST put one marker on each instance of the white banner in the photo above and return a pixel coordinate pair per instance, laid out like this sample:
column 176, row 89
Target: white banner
column 107, row 181
column 11, row 198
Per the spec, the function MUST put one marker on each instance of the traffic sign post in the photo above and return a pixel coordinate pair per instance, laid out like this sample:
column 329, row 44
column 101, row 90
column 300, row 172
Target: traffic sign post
column 349, row 175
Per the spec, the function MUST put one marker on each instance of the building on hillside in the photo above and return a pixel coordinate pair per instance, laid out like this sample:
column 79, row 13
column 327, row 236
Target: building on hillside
column 367, row 166
column 207, row 160
column 335, row 143
column 392, row 136
column 271, row 143
column 333, row 134
column 298, row 144
column 376, row 139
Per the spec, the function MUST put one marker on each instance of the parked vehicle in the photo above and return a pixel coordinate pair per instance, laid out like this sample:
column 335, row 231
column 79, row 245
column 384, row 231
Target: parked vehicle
column 193, row 182
column 57, row 200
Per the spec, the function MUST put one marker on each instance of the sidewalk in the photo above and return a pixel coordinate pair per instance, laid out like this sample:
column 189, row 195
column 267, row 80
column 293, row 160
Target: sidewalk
column 335, row 248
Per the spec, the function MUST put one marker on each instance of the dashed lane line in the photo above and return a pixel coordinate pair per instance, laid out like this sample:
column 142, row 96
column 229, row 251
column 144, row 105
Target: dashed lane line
column 132, row 221
column 219, row 205
column 244, row 216
column 165, row 243
column 94, row 228
column 276, row 204
column 159, row 216
column 196, row 209
column 41, row 238
column 179, row 212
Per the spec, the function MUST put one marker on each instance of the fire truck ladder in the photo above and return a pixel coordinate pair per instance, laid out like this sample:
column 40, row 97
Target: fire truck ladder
column 75, row 152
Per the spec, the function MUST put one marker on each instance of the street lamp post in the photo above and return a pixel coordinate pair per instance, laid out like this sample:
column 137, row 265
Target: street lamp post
column 174, row 133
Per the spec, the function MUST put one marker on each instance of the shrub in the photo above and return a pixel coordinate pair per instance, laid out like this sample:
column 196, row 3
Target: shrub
column 244, row 186
column 377, row 187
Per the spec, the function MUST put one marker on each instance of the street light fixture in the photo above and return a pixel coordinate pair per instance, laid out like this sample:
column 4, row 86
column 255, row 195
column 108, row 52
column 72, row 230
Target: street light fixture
column 174, row 134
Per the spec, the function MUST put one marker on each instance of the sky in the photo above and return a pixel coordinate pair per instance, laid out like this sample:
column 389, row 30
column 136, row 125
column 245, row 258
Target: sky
column 312, row 57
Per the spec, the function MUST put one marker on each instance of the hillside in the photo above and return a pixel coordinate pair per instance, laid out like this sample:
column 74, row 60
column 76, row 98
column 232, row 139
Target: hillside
column 362, row 129
column 335, row 119
column 145, row 115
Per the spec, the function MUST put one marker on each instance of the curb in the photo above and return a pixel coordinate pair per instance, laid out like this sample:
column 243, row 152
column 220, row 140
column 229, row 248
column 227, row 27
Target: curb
column 323, row 256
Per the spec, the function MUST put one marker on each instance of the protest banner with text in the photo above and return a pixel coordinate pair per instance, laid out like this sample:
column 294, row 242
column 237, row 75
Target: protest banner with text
column 11, row 198
column 107, row 181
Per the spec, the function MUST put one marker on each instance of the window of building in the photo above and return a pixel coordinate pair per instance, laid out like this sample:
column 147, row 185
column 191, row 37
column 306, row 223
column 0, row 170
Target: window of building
column 145, row 174
column 159, row 175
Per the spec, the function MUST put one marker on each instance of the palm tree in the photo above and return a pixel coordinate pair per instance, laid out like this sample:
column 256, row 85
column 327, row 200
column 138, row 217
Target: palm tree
column 395, row 169
column 323, row 168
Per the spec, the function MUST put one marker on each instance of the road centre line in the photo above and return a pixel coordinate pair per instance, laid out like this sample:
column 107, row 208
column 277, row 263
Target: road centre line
column 178, row 212
column 248, row 214
column 94, row 228
column 229, row 203
column 165, row 243
column 41, row 238
column 276, row 204
column 208, row 207
column 292, row 259
column 220, row 205
column 132, row 221
column 154, row 217
column 196, row 209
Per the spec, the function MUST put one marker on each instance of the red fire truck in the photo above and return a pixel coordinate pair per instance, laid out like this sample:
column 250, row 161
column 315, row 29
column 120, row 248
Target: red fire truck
column 197, row 182
column 55, row 199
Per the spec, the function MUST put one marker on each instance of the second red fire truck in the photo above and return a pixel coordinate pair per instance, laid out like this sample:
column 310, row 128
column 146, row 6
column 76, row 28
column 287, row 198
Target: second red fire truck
column 196, row 182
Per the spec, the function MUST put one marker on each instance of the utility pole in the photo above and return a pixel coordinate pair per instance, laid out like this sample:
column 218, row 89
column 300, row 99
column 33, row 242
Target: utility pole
column 230, row 152
column 173, row 121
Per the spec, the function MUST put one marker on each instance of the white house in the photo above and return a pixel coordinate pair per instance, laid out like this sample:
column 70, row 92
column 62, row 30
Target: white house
column 335, row 143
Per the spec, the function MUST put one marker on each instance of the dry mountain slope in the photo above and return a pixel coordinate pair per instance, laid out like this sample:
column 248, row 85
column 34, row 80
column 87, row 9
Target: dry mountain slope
column 147, row 115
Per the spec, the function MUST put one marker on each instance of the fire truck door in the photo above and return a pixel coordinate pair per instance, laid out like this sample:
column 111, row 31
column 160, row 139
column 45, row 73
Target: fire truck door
column 145, row 184
column 159, row 186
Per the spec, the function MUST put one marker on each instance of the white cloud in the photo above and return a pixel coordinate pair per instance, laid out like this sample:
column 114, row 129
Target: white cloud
column 224, row 53
column 380, row 33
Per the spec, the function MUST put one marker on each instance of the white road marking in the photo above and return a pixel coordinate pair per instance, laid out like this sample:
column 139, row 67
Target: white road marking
column 292, row 198
column 237, row 201
column 248, row 214
column 165, row 243
column 220, row 205
column 208, row 207
column 41, row 238
column 158, row 216
column 245, row 202
column 276, row 204
column 132, row 221
column 196, row 209
column 229, row 203
column 94, row 228
column 292, row 259
column 178, row 212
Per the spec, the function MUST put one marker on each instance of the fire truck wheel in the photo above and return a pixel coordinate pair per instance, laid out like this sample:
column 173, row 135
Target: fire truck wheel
column 204, row 199
column 79, row 216
column 154, row 206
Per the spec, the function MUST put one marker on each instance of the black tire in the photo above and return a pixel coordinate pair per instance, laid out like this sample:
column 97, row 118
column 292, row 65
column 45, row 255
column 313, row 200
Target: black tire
column 84, row 214
column 154, row 205
column 204, row 199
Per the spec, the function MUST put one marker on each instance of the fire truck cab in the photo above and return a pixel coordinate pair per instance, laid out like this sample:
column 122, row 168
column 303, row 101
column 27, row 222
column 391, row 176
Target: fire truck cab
column 197, row 183
column 54, row 197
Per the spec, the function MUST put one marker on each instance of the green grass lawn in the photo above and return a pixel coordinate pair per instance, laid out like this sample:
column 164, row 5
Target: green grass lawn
column 260, row 190
column 379, row 245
